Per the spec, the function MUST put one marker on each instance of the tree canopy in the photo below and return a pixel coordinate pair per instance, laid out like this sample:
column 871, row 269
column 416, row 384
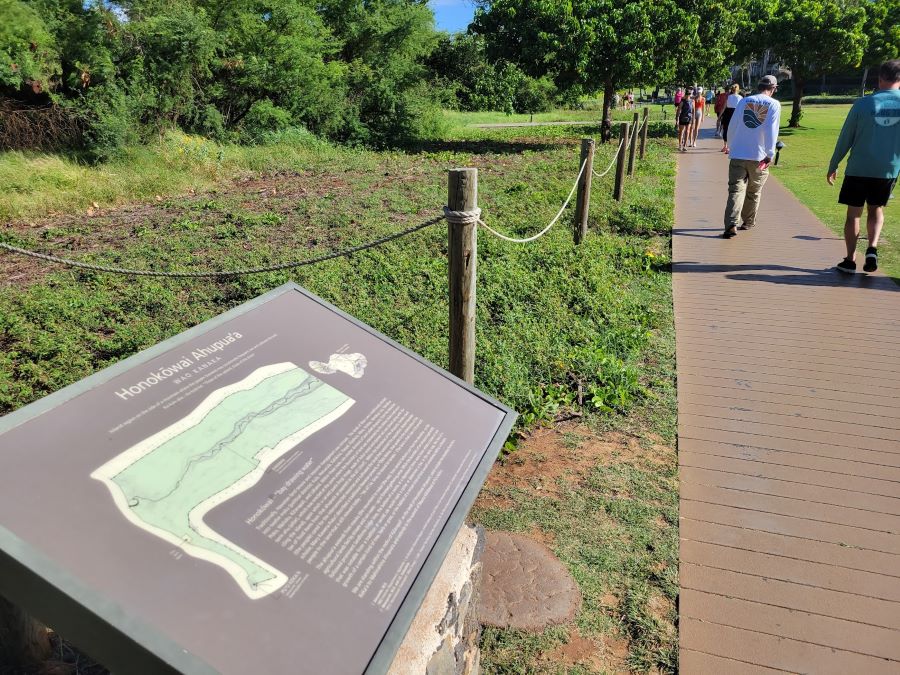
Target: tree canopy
column 348, row 69
column 603, row 45
column 811, row 37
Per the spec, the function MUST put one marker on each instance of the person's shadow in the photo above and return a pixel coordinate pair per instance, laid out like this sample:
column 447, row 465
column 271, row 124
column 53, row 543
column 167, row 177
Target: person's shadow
column 801, row 276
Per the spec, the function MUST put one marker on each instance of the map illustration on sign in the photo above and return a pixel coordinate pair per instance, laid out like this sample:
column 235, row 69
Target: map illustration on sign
column 353, row 365
column 168, row 482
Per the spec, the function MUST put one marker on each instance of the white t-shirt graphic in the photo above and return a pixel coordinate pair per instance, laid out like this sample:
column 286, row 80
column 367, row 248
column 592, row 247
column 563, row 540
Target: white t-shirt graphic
column 753, row 130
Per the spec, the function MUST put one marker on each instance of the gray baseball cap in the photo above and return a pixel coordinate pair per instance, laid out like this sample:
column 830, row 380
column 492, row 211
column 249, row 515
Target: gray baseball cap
column 768, row 81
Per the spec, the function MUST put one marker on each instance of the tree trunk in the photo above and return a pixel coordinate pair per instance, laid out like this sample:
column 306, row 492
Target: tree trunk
column 797, row 110
column 609, row 91
column 862, row 87
column 765, row 63
column 23, row 640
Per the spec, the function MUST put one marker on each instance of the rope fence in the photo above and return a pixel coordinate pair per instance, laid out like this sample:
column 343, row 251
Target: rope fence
column 474, row 216
column 612, row 163
column 463, row 217
column 220, row 274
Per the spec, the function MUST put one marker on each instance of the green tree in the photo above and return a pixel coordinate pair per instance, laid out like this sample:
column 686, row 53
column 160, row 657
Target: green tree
column 882, row 29
column 276, row 56
column 705, row 54
column 469, row 80
column 28, row 51
column 811, row 37
column 384, row 44
column 588, row 45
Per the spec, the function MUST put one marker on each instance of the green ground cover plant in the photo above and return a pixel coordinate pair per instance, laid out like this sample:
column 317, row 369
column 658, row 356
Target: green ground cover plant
column 562, row 330
column 802, row 168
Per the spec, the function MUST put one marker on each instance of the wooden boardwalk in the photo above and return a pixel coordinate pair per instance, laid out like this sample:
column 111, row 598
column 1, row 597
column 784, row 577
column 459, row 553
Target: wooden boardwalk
column 788, row 439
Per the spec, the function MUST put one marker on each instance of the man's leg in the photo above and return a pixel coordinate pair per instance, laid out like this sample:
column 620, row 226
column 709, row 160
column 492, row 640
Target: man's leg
column 873, row 228
column 756, row 179
column 737, row 187
column 874, row 223
column 851, row 230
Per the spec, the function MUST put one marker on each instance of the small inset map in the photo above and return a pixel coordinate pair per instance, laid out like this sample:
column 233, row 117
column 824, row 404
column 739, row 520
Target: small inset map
column 353, row 365
column 167, row 483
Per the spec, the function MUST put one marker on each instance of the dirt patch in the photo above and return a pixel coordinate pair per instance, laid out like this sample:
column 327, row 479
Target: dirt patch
column 291, row 200
column 550, row 459
column 604, row 655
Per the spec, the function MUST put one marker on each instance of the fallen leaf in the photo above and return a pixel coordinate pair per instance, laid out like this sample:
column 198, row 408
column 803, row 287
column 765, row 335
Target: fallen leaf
column 95, row 205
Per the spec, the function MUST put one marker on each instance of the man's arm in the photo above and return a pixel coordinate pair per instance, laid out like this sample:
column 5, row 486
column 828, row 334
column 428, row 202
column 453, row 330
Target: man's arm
column 844, row 141
column 773, row 122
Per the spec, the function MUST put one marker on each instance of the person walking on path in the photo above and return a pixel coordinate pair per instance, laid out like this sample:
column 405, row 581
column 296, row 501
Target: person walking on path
column 699, row 103
column 684, row 117
column 731, row 102
column 719, row 109
column 754, row 131
column 871, row 133
column 679, row 95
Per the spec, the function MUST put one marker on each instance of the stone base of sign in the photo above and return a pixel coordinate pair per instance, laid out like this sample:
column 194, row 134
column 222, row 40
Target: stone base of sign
column 525, row 586
column 443, row 638
column 24, row 641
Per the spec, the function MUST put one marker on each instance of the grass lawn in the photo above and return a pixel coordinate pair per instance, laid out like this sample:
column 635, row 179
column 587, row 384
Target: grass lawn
column 465, row 118
column 802, row 168
column 581, row 333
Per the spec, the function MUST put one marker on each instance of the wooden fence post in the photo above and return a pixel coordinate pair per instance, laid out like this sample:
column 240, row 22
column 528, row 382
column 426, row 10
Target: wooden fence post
column 632, row 143
column 583, row 200
column 620, row 160
column 644, row 131
column 462, row 195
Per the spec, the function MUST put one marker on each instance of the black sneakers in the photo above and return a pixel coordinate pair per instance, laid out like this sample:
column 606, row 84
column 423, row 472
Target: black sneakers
column 729, row 233
column 871, row 259
column 846, row 266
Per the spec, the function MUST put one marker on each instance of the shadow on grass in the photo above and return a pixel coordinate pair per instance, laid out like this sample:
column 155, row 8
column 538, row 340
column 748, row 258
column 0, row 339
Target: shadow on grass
column 790, row 131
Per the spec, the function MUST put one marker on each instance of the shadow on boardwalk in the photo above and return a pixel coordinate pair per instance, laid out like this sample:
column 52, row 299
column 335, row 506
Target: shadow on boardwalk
column 807, row 276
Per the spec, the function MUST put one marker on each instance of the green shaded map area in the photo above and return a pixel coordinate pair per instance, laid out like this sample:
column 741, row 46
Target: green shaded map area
column 207, row 461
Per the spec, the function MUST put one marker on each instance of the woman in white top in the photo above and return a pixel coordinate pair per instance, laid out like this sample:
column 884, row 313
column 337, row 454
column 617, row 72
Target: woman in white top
column 730, row 104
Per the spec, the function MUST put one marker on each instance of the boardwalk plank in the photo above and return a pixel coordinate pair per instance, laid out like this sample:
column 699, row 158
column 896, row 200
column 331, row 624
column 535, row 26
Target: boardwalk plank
column 788, row 438
column 784, row 568
column 777, row 652
column 792, row 506
column 690, row 661
column 783, row 472
column 794, row 453
column 865, row 502
column 827, row 631
column 821, row 601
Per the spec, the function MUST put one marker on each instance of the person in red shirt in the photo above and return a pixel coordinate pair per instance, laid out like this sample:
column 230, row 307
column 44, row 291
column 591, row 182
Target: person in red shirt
column 699, row 103
column 719, row 107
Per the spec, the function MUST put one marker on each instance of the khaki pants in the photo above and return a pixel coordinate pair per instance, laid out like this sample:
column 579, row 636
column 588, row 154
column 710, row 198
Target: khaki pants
column 745, row 183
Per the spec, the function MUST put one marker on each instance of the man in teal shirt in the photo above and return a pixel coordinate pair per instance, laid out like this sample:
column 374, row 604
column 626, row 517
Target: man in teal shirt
column 871, row 133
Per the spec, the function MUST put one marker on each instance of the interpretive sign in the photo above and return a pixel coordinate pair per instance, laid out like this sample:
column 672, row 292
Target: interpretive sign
column 272, row 491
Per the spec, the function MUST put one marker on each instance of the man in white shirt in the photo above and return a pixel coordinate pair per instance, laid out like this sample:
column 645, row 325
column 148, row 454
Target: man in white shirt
column 752, row 135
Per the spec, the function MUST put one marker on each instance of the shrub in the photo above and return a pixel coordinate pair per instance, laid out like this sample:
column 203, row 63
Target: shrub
column 265, row 117
column 824, row 100
column 108, row 121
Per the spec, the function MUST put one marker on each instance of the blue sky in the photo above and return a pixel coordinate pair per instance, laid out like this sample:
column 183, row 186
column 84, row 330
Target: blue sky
column 452, row 15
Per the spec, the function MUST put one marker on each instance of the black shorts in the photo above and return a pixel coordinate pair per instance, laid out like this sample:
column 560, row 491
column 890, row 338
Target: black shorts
column 859, row 190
